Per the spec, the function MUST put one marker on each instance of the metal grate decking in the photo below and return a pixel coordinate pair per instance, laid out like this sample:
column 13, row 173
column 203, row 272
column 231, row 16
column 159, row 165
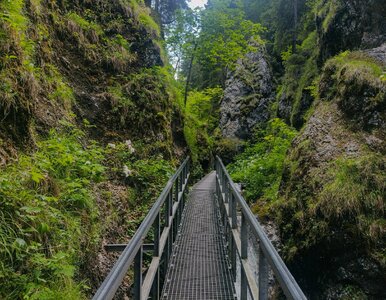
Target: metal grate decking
column 199, row 268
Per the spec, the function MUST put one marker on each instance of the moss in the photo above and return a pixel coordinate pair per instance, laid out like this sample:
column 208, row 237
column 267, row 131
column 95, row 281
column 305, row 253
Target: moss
column 327, row 12
column 84, row 24
column 60, row 91
column 143, row 15
column 356, row 189
column 353, row 80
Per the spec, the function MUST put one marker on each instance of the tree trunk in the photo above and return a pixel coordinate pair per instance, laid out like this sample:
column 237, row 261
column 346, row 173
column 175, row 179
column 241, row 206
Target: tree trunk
column 294, row 35
column 189, row 73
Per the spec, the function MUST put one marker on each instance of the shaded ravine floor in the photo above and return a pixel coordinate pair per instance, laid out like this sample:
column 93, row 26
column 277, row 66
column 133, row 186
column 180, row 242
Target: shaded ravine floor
column 199, row 268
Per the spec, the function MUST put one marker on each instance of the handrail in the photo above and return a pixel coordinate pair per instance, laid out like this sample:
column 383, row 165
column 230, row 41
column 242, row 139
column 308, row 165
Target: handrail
column 230, row 197
column 133, row 250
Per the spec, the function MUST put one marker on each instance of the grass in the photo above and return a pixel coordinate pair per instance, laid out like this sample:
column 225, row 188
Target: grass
column 356, row 190
column 61, row 92
column 354, row 81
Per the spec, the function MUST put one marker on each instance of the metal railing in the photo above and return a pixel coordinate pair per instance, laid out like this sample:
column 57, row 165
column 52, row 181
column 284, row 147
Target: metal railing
column 164, row 218
column 231, row 203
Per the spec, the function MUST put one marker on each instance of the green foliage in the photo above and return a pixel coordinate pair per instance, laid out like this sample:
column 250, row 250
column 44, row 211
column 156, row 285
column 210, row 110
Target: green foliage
column 149, row 176
column 225, row 36
column 356, row 190
column 201, row 122
column 299, row 81
column 12, row 13
column 144, row 101
column 260, row 165
column 47, row 215
column 181, row 37
column 142, row 14
column 84, row 24
column 354, row 81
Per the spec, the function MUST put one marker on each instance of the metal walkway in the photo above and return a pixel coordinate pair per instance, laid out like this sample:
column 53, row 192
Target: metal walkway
column 199, row 268
column 181, row 249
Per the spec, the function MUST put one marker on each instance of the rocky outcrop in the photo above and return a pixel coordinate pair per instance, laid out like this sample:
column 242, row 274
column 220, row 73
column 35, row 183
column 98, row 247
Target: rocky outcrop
column 333, row 191
column 247, row 96
column 350, row 25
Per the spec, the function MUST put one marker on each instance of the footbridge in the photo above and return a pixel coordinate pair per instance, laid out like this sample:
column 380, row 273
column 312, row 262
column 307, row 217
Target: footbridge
column 200, row 244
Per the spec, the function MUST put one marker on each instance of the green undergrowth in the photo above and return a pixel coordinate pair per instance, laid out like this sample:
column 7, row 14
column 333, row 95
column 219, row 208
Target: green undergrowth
column 48, row 217
column 350, row 199
column 356, row 188
column 145, row 100
column 298, row 85
column 259, row 167
column 200, row 128
column 50, row 221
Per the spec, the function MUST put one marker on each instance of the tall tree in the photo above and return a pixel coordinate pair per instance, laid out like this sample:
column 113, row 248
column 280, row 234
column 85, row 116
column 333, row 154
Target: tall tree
column 294, row 35
column 225, row 36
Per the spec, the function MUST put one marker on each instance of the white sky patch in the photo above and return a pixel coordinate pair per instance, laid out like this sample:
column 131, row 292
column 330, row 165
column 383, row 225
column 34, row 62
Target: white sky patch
column 196, row 3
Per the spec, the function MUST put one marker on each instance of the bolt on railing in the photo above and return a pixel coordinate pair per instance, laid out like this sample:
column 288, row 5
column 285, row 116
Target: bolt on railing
column 169, row 207
column 231, row 201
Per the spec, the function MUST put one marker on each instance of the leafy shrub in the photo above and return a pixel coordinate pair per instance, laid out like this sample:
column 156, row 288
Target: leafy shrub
column 201, row 122
column 149, row 176
column 47, row 215
column 260, row 166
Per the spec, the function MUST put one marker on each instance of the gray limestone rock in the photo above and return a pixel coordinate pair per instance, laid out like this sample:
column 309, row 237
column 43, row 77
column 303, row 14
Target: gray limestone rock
column 247, row 96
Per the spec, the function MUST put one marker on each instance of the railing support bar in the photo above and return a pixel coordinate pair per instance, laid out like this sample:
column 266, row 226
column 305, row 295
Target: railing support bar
column 138, row 275
column 244, row 255
column 263, row 276
column 157, row 232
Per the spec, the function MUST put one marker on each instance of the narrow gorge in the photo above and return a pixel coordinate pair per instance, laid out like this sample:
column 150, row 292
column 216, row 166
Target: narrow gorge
column 100, row 101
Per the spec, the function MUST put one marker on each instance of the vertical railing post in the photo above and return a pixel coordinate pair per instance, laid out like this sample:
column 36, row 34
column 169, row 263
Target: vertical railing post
column 233, row 211
column 180, row 181
column 176, row 189
column 217, row 188
column 167, row 208
column 155, row 289
column 233, row 256
column 226, row 192
column 138, row 275
column 263, row 275
column 157, row 230
column 243, row 255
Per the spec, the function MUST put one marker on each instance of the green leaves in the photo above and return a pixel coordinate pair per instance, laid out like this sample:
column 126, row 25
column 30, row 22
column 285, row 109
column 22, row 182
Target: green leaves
column 260, row 166
column 226, row 36
column 44, row 199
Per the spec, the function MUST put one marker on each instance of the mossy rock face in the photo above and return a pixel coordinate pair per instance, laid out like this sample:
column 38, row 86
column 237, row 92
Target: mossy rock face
column 331, row 209
column 247, row 97
column 354, row 81
column 67, row 60
column 349, row 25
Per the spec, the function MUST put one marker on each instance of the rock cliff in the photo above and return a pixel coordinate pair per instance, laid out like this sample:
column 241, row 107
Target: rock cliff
column 248, row 94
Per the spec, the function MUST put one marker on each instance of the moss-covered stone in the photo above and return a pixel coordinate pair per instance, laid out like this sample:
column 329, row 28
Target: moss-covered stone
column 331, row 211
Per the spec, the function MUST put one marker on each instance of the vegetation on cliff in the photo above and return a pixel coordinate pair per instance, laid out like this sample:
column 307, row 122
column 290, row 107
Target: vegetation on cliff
column 89, row 119
column 93, row 119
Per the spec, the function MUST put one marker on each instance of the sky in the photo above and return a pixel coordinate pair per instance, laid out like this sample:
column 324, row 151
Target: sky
column 196, row 3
